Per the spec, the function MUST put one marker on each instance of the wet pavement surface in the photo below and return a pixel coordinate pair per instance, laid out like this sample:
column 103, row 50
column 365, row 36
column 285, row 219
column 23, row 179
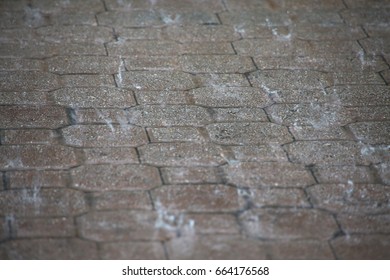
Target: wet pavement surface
column 194, row 129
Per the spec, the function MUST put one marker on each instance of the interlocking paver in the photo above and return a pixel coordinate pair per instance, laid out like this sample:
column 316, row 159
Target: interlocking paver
column 190, row 175
column 327, row 152
column 123, row 225
column 115, row 177
column 194, row 129
column 42, row 202
column 181, row 154
column 132, row 250
column 230, row 97
column 354, row 224
column 362, row 247
column 248, row 133
column 115, row 155
column 371, row 132
column 37, row 179
column 36, row 156
column 288, row 224
column 157, row 80
column 112, row 135
column 197, row 198
column 115, row 200
column 93, row 97
column 28, row 136
column 253, row 174
column 172, row 115
column 365, row 198
column 47, row 227
column 33, row 117
column 40, row 248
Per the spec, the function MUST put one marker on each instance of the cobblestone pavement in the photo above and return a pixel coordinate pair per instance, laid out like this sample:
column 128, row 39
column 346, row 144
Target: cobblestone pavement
column 194, row 129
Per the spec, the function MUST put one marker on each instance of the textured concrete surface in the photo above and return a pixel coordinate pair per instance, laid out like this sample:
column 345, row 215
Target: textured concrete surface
column 194, row 129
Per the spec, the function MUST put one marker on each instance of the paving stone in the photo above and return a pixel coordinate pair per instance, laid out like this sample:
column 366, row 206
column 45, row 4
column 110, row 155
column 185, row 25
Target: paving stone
column 284, row 5
column 372, row 132
column 329, row 132
column 28, row 136
column 94, row 97
column 362, row 247
column 289, row 224
column 104, row 135
column 269, row 174
column 327, row 152
column 115, row 177
column 47, row 6
column 36, row 156
column 130, row 18
column 197, row 198
column 132, row 251
column 376, row 46
column 157, row 80
column 83, row 64
column 117, row 155
column 207, row 48
column 76, row 34
column 260, row 153
column 174, row 134
column 287, row 79
column 239, row 114
column 248, row 133
column 222, row 80
column 48, row 227
column 284, row 197
column 383, row 170
column 24, row 98
column 88, row 81
column 166, row 5
column 214, row 247
column 271, row 47
column 37, row 179
column 161, row 97
column 343, row 174
column 369, row 113
column 123, row 225
column 361, row 95
column 42, row 202
column 101, row 116
column 230, row 97
column 56, row 248
column 33, row 117
column 181, row 154
column 121, row 200
column 351, row 78
column 372, row 16
column 19, row 64
column 320, row 116
column 28, row 81
column 152, row 63
column 333, row 63
column 190, row 175
column 144, row 48
column 216, row 64
column 353, row 224
column 201, row 33
column 350, row 198
column 172, row 115
column 329, row 32
column 214, row 223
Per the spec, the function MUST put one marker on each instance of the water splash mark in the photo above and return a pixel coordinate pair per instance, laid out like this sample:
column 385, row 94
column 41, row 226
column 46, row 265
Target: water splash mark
column 107, row 120
column 32, row 196
column 169, row 19
column 276, row 33
column 121, row 68
column 10, row 226
column 33, row 17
